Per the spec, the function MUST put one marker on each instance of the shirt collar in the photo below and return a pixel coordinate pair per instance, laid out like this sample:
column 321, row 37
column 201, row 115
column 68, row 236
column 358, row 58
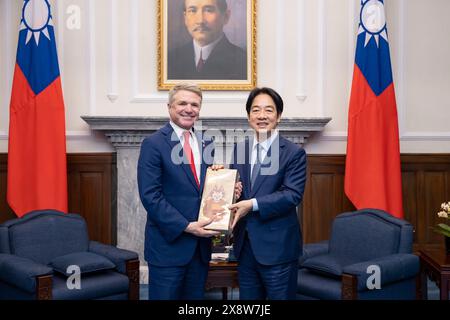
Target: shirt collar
column 179, row 131
column 266, row 143
column 206, row 50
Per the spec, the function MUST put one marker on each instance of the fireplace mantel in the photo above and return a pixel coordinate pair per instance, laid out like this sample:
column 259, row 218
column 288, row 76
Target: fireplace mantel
column 130, row 131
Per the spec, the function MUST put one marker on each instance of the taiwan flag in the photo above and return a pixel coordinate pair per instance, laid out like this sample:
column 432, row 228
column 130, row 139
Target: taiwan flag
column 37, row 174
column 372, row 169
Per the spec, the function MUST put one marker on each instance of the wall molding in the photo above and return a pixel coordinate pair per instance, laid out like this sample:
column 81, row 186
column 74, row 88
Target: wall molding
column 207, row 98
column 353, row 21
column 134, row 55
column 425, row 136
column 60, row 37
column 334, row 136
column 8, row 53
column 321, row 60
column 406, row 136
column 92, row 59
column 280, row 34
column 70, row 135
column 78, row 134
column 113, row 93
column 301, row 53
column 401, row 84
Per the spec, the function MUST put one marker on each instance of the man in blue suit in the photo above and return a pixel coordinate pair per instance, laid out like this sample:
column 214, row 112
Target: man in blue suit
column 171, row 173
column 267, row 233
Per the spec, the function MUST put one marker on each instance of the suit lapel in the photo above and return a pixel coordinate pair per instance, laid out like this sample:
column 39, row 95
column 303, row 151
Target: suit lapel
column 260, row 178
column 246, row 177
column 203, row 165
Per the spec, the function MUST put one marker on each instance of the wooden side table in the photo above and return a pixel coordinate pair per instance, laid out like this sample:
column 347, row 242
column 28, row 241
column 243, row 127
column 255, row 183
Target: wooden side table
column 435, row 264
column 222, row 274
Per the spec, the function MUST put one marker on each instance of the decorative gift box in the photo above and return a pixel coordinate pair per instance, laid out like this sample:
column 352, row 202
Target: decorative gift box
column 218, row 195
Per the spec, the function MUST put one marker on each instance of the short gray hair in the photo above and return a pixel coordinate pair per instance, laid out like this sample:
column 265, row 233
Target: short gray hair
column 192, row 87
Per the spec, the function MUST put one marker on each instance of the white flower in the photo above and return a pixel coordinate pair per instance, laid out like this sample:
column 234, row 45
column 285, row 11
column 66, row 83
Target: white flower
column 445, row 206
column 442, row 214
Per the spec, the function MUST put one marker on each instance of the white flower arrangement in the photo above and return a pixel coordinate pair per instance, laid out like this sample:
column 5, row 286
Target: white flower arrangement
column 443, row 228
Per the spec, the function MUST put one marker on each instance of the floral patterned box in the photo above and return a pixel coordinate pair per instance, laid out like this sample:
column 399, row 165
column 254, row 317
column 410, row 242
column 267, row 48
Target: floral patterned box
column 218, row 195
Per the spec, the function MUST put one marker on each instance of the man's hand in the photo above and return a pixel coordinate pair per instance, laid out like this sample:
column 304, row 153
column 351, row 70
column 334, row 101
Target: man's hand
column 240, row 209
column 197, row 229
column 216, row 167
column 237, row 190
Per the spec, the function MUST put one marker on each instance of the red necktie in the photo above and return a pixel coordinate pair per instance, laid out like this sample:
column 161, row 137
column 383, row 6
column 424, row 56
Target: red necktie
column 200, row 63
column 190, row 155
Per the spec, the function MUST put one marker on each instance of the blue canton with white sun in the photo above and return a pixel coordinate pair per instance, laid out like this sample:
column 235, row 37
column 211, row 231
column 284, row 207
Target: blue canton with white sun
column 36, row 52
column 372, row 49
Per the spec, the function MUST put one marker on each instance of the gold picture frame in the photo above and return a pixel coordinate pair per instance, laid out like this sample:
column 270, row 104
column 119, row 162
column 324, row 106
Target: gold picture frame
column 231, row 64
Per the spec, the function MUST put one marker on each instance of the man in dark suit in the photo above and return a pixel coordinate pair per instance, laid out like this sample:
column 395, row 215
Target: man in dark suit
column 210, row 55
column 171, row 173
column 267, row 234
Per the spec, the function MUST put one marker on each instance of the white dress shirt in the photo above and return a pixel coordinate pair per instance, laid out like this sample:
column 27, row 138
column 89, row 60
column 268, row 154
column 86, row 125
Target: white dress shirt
column 204, row 51
column 193, row 141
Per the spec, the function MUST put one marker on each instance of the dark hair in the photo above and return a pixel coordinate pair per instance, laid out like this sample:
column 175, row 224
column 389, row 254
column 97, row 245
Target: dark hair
column 272, row 93
column 221, row 4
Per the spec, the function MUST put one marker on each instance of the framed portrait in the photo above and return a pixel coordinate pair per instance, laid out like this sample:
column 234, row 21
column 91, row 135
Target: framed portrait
column 208, row 42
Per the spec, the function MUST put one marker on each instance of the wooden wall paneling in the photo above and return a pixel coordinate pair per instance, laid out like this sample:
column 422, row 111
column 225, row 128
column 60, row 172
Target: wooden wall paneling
column 92, row 184
column 5, row 211
column 433, row 197
column 410, row 205
column 431, row 178
column 324, row 196
column 92, row 192
column 426, row 184
column 318, row 205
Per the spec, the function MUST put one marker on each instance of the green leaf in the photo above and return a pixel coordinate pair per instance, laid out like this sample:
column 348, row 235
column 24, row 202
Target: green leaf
column 443, row 229
column 444, row 226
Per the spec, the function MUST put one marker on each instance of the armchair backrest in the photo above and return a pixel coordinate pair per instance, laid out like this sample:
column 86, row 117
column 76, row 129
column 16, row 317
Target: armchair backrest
column 43, row 235
column 368, row 234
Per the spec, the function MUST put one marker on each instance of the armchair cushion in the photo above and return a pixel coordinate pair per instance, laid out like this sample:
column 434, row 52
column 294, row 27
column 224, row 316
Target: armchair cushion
column 325, row 264
column 21, row 272
column 393, row 268
column 87, row 261
column 116, row 255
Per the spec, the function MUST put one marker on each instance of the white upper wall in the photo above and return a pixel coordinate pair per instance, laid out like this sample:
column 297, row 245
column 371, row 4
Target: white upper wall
column 305, row 50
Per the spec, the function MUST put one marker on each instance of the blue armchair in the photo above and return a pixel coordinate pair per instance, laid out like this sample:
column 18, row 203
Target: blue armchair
column 363, row 245
column 47, row 255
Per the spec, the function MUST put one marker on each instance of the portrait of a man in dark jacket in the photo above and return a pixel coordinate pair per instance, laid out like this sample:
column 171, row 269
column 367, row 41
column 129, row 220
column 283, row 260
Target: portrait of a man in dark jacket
column 209, row 54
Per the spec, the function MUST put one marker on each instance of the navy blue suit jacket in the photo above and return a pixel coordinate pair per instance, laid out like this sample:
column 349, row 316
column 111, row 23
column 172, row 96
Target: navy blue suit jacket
column 172, row 198
column 274, row 231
